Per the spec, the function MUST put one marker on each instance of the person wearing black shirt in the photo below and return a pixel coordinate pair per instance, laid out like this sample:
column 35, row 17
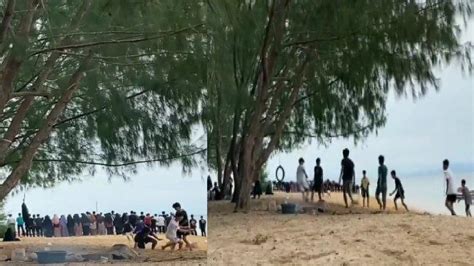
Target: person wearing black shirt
column 347, row 176
column 318, row 180
column 132, row 219
column 146, row 236
column 399, row 189
column 202, row 226
column 38, row 225
column 153, row 223
column 142, row 216
column 184, row 223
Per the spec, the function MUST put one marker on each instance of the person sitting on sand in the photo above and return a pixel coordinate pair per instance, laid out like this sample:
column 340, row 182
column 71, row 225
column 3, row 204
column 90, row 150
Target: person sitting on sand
column 381, row 184
column 146, row 236
column 364, row 187
column 450, row 192
column 318, row 180
column 347, row 175
column 10, row 236
column 173, row 230
column 399, row 189
column 202, row 226
column 184, row 224
column 302, row 180
column 466, row 194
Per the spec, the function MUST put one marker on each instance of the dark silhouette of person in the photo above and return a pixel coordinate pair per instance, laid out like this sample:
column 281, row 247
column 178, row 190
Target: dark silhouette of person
column 38, row 225
column 70, row 225
column 347, row 176
column 381, row 184
column 47, row 226
column 132, row 219
column 118, row 224
column 202, row 226
column 257, row 189
column 86, row 224
column 318, row 180
column 9, row 236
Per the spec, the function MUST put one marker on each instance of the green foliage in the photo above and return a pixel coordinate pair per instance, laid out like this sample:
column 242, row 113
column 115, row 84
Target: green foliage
column 139, row 100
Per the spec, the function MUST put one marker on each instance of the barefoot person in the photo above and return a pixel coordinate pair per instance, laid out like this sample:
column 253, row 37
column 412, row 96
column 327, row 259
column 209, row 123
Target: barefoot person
column 382, row 183
column 399, row 189
column 347, row 176
column 183, row 224
column 173, row 230
column 450, row 192
column 318, row 180
column 364, row 188
column 202, row 226
column 302, row 179
column 466, row 194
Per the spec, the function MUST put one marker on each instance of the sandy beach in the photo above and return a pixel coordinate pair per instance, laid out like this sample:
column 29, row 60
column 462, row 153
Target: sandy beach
column 102, row 244
column 340, row 236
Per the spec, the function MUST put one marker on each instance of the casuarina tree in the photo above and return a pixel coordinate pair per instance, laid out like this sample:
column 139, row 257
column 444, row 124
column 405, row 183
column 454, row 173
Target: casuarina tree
column 87, row 84
column 288, row 71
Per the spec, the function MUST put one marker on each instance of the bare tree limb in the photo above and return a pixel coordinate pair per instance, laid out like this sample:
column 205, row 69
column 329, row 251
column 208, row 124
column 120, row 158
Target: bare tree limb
column 129, row 40
column 30, row 93
column 7, row 19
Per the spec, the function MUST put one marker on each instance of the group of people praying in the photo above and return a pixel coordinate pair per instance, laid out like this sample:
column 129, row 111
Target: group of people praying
column 144, row 227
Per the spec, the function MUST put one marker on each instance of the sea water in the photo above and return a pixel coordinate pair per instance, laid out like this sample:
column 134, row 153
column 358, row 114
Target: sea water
column 427, row 193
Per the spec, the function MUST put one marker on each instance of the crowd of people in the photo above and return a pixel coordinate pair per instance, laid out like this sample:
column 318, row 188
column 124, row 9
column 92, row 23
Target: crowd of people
column 142, row 226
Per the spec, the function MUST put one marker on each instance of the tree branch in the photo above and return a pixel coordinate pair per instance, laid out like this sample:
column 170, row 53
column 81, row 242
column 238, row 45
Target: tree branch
column 122, row 164
column 30, row 93
column 129, row 40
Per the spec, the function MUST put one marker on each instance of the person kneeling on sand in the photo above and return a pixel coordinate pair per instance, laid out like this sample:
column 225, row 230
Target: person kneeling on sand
column 172, row 233
column 302, row 179
column 146, row 236
column 399, row 189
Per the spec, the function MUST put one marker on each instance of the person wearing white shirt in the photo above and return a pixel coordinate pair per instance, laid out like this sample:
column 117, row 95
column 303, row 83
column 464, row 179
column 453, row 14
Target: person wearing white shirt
column 450, row 191
column 160, row 222
column 11, row 222
column 302, row 179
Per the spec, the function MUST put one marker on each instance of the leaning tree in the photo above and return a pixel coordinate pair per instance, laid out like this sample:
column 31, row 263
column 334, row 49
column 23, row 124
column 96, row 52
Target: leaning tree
column 294, row 70
column 97, row 83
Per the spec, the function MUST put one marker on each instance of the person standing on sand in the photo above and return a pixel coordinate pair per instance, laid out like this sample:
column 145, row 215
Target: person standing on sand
column 202, row 226
column 183, row 223
column 77, row 225
column 193, row 224
column 20, row 223
column 399, row 189
column 467, row 197
column 39, row 225
column 318, row 180
column 70, row 225
column 347, row 176
column 450, row 192
column 160, row 223
column 382, row 183
column 302, row 180
column 364, row 188
column 11, row 223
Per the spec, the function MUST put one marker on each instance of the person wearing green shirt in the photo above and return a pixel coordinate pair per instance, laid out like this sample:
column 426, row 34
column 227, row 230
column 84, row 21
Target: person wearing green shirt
column 382, row 183
column 20, row 223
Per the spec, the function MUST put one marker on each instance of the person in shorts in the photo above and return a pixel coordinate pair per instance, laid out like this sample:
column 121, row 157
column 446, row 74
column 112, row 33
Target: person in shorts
column 318, row 180
column 183, row 224
column 364, row 188
column 382, row 184
column 399, row 190
column 144, row 237
column 172, row 232
column 347, row 176
column 302, row 179
column 450, row 192
column 466, row 194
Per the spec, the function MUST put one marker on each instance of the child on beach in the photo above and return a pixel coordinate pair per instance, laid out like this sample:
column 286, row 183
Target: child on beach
column 302, row 179
column 399, row 189
column 172, row 233
column 364, row 187
column 466, row 194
